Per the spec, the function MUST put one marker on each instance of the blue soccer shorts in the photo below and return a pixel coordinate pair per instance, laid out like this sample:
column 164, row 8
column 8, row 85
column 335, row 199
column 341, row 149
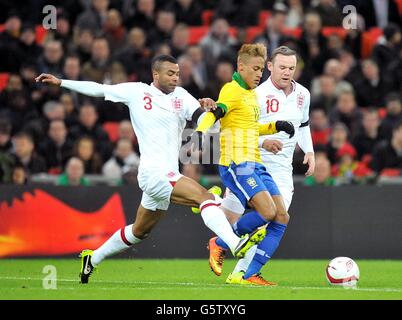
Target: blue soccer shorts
column 247, row 179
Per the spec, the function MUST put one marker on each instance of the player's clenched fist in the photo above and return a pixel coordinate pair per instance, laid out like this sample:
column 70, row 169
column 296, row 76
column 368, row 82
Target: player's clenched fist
column 48, row 78
column 286, row 126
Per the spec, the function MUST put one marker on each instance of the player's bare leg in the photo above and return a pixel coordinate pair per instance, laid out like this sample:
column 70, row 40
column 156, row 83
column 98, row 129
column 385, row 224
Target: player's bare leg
column 145, row 221
column 188, row 192
column 264, row 204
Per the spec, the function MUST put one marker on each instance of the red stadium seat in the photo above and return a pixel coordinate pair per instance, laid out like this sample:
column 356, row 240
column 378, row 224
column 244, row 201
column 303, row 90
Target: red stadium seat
column 399, row 4
column 390, row 172
column 196, row 34
column 382, row 112
column 328, row 31
column 207, row 16
column 366, row 159
column 41, row 34
column 3, row 80
column 233, row 31
column 112, row 129
column 369, row 40
column 293, row 32
column 252, row 33
column 2, row 27
column 263, row 17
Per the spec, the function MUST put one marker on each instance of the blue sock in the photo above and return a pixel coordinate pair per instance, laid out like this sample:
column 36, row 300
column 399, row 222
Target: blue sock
column 246, row 224
column 222, row 243
column 266, row 248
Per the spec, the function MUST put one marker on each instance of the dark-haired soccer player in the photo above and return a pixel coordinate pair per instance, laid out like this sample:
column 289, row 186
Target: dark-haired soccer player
column 158, row 114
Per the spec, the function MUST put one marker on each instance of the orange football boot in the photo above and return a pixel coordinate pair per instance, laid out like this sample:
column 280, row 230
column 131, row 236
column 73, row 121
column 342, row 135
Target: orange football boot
column 258, row 280
column 216, row 256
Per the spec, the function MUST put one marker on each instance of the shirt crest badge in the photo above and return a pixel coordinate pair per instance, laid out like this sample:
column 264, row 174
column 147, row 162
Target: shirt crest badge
column 300, row 100
column 177, row 104
column 252, row 183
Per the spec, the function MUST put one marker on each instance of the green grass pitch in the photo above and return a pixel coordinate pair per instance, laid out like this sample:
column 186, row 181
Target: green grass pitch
column 154, row 279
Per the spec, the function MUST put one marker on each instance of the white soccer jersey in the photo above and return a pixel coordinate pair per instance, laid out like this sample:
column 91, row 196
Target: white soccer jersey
column 158, row 120
column 275, row 105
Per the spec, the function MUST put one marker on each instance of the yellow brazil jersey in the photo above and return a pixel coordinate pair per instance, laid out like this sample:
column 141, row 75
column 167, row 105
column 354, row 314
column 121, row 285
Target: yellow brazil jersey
column 239, row 126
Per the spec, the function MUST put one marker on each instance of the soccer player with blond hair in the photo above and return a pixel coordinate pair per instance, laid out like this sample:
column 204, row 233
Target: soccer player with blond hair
column 279, row 97
column 240, row 165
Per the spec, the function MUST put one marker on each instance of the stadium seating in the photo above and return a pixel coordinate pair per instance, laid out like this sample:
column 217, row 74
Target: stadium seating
column 112, row 129
column 3, row 79
column 263, row 17
column 207, row 16
column 390, row 172
column 399, row 4
column 41, row 34
column 196, row 34
column 369, row 39
column 252, row 32
column 328, row 31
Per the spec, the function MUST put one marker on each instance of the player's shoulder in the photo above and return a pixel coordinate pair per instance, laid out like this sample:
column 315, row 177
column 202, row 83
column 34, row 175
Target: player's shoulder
column 181, row 91
column 231, row 88
column 263, row 86
column 300, row 87
column 130, row 85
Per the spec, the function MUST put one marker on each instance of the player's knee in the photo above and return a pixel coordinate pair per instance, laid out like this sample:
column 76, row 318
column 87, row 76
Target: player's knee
column 202, row 196
column 232, row 217
column 270, row 212
column 282, row 217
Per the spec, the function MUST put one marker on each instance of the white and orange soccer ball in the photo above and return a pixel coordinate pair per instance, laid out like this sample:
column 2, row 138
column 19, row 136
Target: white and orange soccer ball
column 343, row 271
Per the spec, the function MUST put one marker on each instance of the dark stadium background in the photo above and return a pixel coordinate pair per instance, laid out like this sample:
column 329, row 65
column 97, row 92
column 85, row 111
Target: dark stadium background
column 352, row 205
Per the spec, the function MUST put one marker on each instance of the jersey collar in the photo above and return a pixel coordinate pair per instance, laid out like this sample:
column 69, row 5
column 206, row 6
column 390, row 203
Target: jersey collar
column 237, row 77
column 279, row 89
column 159, row 92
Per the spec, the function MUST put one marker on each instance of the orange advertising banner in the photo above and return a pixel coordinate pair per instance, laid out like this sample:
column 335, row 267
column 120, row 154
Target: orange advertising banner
column 40, row 224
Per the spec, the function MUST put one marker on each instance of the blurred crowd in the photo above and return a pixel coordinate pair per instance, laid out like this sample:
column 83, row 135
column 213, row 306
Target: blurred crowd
column 354, row 76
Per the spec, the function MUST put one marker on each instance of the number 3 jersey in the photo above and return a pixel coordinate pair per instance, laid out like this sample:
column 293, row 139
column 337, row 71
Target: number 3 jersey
column 275, row 105
column 158, row 120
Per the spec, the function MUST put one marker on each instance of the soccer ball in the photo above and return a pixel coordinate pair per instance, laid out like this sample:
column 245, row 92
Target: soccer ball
column 343, row 271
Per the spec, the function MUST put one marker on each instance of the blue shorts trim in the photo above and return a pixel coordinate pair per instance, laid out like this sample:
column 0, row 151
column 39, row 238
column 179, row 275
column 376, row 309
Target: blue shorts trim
column 247, row 179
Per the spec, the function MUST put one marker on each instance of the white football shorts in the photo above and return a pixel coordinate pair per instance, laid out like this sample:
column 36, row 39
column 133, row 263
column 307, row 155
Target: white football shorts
column 157, row 188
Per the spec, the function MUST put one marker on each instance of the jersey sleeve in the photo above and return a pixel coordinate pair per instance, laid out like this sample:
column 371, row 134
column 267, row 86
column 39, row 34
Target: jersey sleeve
column 306, row 109
column 190, row 104
column 122, row 92
column 228, row 98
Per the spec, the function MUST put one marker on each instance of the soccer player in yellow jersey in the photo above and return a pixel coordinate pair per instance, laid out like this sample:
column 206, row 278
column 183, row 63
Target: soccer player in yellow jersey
column 240, row 165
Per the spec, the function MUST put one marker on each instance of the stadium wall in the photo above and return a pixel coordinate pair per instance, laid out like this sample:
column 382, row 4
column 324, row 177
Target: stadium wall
column 363, row 222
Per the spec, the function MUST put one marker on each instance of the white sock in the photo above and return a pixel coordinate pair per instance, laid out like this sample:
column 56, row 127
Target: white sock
column 242, row 264
column 121, row 240
column 215, row 219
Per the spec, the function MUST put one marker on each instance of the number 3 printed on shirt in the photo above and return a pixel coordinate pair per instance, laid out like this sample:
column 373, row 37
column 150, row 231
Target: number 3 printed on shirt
column 272, row 105
column 148, row 103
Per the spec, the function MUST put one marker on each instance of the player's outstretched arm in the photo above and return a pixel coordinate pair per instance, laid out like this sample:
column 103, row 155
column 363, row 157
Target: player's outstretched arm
column 277, row 126
column 88, row 88
column 205, row 121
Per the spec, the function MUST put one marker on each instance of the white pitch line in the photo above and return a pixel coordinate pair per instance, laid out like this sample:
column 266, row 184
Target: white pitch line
column 215, row 285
